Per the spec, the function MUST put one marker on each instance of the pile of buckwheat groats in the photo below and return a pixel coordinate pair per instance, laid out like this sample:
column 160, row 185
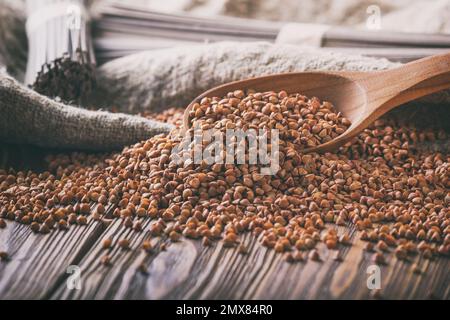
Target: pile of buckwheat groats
column 397, row 196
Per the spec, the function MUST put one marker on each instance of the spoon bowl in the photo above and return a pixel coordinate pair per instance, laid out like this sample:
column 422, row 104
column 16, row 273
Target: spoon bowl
column 361, row 97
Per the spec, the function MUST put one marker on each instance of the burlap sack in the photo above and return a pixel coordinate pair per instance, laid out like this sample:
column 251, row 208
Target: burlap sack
column 173, row 77
column 27, row 117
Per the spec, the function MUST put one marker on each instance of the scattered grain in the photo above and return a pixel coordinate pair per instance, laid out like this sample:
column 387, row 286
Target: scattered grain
column 124, row 244
column 4, row 256
column 107, row 243
column 393, row 192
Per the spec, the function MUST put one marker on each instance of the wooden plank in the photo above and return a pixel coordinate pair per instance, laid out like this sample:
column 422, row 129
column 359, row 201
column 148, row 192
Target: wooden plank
column 114, row 282
column 186, row 270
column 38, row 263
column 351, row 37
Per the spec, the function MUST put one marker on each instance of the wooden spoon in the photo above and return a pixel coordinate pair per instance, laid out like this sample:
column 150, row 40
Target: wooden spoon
column 362, row 97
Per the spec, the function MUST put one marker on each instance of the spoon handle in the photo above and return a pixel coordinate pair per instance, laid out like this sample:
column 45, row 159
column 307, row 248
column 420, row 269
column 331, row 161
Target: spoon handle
column 390, row 88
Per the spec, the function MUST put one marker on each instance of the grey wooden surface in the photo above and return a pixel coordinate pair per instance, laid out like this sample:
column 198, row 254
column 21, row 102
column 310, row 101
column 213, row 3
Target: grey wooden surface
column 38, row 264
column 37, row 269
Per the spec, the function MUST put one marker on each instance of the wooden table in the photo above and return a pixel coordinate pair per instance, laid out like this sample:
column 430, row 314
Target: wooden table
column 38, row 267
